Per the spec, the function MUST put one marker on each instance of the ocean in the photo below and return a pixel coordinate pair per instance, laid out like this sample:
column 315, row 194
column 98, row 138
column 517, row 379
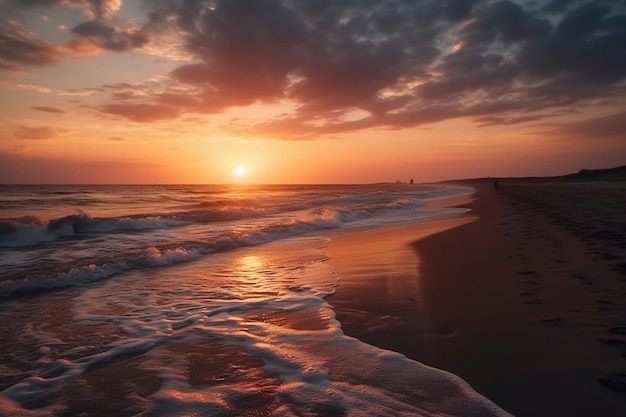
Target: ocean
column 200, row 300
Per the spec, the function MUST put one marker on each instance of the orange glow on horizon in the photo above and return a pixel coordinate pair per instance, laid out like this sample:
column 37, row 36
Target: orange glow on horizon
column 94, row 97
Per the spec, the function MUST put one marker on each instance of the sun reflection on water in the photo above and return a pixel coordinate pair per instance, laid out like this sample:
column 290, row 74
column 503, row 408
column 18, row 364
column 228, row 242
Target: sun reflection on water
column 250, row 263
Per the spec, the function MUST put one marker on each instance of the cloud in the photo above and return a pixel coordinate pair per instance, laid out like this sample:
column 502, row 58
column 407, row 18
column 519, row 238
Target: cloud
column 609, row 127
column 47, row 109
column 406, row 63
column 37, row 133
column 586, row 47
column 503, row 21
column 141, row 112
column 19, row 51
column 77, row 92
column 93, row 9
column 109, row 37
column 36, row 88
column 403, row 63
column 495, row 120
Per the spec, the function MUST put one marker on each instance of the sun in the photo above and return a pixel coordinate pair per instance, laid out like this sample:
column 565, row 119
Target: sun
column 240, row 171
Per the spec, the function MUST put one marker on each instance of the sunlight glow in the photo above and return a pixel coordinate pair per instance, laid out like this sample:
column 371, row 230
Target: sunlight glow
column 240, row 171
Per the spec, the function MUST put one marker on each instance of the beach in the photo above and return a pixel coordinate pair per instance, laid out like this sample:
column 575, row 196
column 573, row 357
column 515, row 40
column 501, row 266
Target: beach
column 524, row 297
column 233, row 208
column 385, row 299
column 207, row 300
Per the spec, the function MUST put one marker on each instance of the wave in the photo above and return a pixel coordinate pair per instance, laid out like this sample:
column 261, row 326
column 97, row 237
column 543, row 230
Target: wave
column 80, row 275
column 344, row 215
column 30, row 230
column 89, row 249
column 173, row 253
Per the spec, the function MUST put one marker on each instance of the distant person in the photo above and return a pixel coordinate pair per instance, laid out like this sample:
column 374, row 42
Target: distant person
column 496, row 185
column 411, row 180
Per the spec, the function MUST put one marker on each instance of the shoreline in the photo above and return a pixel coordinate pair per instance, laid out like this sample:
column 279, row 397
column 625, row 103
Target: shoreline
column 512, row 301
column 376, row 298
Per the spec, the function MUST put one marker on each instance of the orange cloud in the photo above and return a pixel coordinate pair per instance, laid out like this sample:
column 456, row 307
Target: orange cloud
column 47, row 109
column 37, row 133
column 141, row 112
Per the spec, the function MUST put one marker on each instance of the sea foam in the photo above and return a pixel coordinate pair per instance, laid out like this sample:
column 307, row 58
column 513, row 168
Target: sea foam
column 244, row 331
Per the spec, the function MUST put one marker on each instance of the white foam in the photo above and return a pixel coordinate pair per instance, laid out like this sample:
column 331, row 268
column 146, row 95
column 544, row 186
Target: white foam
column 77, row 249
column 247, row 303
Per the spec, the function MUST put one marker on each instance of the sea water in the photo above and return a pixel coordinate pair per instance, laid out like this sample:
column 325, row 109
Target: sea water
column 200, row 300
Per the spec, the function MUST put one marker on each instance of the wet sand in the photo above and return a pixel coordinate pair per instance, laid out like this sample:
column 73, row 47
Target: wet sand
column 377, row 296
column 524, row 297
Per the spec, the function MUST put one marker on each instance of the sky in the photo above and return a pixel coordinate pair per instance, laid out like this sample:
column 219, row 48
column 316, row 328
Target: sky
column 309, row 91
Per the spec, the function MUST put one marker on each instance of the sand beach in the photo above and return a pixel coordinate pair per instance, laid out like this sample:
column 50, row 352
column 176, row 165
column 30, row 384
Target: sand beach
column 524, row 297
column 313, row 208
column 514, row 301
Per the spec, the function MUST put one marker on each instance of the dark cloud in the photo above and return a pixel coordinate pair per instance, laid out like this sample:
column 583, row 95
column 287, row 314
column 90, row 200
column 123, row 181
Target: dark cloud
column 556, row 6
column 20, row 51
column 485, row 77
column 108, row 37
column 502, row 21
column 47, row 109
column 404, row 63
column 323, row 55
column 36, row 133
column 588, row 46
column 401, row 63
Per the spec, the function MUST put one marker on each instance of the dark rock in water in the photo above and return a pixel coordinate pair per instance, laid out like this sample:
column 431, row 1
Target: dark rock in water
column 615, row 381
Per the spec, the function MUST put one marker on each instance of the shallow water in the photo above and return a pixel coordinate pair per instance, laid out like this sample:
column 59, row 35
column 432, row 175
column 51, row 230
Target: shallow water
column 184, row 310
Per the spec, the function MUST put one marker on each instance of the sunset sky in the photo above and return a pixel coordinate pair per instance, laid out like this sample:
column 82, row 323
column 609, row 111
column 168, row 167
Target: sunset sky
column 309, row 91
